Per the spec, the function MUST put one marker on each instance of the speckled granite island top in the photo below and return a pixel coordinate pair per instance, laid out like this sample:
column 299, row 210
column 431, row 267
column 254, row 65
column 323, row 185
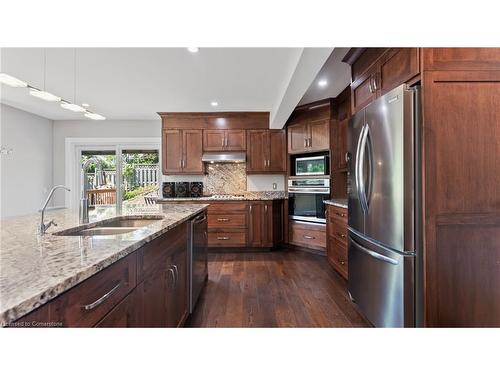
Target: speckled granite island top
column 246, row 196
column 35, row 269
column 342, row 203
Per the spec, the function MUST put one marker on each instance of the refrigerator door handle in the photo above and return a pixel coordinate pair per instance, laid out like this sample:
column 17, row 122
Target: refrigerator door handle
column 356, row 166
column 360, row 168
column 374, row 254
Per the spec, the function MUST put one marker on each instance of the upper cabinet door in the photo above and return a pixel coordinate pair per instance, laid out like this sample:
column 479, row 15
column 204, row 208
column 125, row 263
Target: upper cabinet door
column 257, row 150
column 319, row 135
column 363, row 91
column 214, row 140
column 277, row 151
column 235, row 140
column 193, row 150
column 172, row 151
column 297, row 138
column 396, row 67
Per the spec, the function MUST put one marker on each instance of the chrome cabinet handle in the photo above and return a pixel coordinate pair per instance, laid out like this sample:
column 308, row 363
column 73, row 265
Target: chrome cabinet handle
column 223, row 142
column 341, row 235
column 305, row 142
column 339, row 214
column 375, row 88
column 97, row 302
column 346, row 156
column 223, row 238
column 342, row 262
column 176, row 274
column 308, row 237
column 250, row 208
column 265, row 208
column 223, row 219
column 370, row 85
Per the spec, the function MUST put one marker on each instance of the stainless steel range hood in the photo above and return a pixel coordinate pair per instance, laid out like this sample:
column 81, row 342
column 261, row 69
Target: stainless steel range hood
column 224, row 157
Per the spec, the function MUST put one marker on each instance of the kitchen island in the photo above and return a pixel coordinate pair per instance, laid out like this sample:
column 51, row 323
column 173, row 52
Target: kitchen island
column 36, row 269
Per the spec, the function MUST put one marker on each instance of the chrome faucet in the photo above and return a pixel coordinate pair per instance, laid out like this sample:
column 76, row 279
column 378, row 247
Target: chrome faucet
column 101, row 180
column 43, row 227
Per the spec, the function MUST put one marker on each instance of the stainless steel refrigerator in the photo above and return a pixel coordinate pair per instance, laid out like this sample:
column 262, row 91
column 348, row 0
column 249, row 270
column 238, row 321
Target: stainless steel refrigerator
column 383, row 214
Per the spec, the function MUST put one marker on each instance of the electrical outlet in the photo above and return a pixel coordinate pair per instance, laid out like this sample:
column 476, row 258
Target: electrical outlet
column 275, row 185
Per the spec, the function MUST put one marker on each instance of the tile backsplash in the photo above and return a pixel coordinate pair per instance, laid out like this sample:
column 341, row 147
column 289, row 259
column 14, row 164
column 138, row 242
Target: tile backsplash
column 231, row 178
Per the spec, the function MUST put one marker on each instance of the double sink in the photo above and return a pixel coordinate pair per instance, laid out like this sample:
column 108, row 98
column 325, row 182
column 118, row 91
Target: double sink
column 118, row 225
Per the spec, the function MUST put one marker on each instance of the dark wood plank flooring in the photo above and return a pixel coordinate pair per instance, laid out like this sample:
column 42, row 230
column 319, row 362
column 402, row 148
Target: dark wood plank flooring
column 284, row 288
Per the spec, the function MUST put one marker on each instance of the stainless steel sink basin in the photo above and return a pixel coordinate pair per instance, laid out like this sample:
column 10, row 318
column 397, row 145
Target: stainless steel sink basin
column 129, row 222
column 111, row 227
column 108, row 231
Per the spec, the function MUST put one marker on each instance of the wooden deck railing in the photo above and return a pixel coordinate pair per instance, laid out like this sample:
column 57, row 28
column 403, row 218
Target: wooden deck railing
column 101, row 196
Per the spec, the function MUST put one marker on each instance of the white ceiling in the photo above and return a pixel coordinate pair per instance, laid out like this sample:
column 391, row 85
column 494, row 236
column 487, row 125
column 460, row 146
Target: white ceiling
column 135, row 83
column 337, row 75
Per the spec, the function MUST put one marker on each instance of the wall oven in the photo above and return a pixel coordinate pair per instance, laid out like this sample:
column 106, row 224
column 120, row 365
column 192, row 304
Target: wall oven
column 305, row 199
column 311, row 165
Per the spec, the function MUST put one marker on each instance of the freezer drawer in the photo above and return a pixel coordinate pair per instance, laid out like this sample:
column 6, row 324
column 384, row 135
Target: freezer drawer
column 381, row 283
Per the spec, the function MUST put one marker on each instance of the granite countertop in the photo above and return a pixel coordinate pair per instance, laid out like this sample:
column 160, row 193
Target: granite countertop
column 35, row 268
column 342, row 203
column 247, row 196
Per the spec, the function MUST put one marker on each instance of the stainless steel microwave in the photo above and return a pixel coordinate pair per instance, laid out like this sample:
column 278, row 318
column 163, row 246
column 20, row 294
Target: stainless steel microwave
column 311, row 166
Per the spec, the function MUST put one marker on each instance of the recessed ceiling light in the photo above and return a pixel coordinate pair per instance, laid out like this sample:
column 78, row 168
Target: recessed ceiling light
column 94, row 116
column 322, row 83
column 44, row 95
column 11, row 81
column 72, row 107
column 214, row 104
column 193, row 49
column 85, row 105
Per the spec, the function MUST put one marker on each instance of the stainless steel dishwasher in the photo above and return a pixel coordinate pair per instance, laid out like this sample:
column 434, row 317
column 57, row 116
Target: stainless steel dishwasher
column 198, row 258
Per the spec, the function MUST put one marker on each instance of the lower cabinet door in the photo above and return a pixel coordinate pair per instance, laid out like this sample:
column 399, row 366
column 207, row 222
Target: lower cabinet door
column 177, row 307
column 126, row 314
column 256, row 230
column 152, row 295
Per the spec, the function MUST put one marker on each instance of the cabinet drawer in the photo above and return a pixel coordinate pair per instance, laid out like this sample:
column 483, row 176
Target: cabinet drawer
column 338, row 214
column 337, row 256
column 221, row 220
column 227, row 239
column 228, row 208
column 87, row 303
column 338, row 230
column 308, row 235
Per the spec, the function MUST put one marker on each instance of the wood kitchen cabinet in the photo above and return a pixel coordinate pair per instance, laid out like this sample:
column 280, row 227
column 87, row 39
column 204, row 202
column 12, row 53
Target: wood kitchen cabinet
column 336, row 247
column 308, row 235
column 377, row 71
column 148, row 288
column 182, row 151
column 309, row 136
column 266, row 151
column 265, row 223
column 224, row 140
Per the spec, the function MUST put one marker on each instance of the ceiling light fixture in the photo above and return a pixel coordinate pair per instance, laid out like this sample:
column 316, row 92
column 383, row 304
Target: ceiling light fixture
column 322, row 83
column 193, row 49
column 94, row 116
column 11, row 81
column 214, row 104
column 44, row 95
column 72, row 107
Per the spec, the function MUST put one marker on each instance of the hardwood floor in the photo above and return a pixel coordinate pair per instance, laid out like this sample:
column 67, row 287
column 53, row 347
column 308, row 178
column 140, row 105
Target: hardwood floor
column 283, row 288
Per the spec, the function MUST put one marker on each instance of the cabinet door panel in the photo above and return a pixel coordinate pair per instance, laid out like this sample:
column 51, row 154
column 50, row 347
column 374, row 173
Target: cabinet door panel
column 235, row 140
column 397, row 67
column 257, row 150
column 319, row 135
column 256, row 233
column 277, row 151
column 177, row 297
column 213, row 140
column 362, row 92
column 193, row 151
column 172, row 151
column 297, row 137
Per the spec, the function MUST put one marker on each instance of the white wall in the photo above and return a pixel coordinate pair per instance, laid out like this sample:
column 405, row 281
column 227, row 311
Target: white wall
column 95, row 129
column 26, row 173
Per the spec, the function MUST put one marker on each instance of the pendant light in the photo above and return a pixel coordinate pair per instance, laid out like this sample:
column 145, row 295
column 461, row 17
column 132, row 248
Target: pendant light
column 42, row 94
column 71, row 106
